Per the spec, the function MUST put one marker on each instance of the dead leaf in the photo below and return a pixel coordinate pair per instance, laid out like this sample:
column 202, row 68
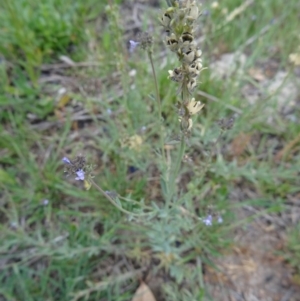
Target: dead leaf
column 134, row 142
column 287, row 149
column 296, row 279
column 67, row 60
column 239, row 144
column 87, row 184
column 257, row 74
column 59, row 115
column 63, row 101
column 295, row 57
column 237, row 11
column 143, row 293
column 75, row 125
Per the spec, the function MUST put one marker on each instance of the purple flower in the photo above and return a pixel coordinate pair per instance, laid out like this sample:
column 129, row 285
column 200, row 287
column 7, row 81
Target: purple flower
column 207, row 220
column 220, row 220
column 80, row 175
column 66, row 160
column 133, row 45
column 14, row 225
column 45, row 202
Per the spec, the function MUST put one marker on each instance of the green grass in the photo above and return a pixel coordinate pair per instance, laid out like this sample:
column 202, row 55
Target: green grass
column 293, row 251
column 33, row 33
column 80, row 247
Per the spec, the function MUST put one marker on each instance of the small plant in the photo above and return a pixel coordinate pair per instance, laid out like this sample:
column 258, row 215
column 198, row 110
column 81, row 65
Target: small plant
column 178, row 22
column 165, row 232
column 169, row 221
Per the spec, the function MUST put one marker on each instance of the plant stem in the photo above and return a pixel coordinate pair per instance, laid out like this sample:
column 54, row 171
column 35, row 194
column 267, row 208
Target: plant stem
column 112, row 201
column 168, row 3
column 171, row 184
column 207, row 164
column 155, row 82
column 179, row 157
column 159, row 108
column 174, row 174
column 199, row 264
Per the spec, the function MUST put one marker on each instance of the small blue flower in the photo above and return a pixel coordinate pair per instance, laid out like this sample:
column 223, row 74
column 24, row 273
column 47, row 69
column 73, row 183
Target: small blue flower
column 45, row 202
column 14, row 225
column 66, row 160
column 80, row 175
column 133, row 45
column 208, row 220
column 220, row 220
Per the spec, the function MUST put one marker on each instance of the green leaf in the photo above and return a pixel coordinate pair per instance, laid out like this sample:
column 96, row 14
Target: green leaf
column 6, row 178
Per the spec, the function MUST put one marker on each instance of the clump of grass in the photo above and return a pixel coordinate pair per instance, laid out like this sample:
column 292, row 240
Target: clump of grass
column 33, row 32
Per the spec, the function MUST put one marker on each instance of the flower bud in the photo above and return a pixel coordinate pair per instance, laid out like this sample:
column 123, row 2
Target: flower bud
column 199, row 63
column 170, row 10
column 198, row 53
column 146, row 41
column 226, row 124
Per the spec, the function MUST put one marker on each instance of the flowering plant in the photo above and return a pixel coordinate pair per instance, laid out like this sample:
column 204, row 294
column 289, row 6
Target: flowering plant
column 165, row 232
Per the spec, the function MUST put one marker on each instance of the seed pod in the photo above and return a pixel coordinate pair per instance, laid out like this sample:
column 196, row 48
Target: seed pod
column 176, row 75
column 186, row 124
column 172, row 42
column 165, row 20
column 189, row 56
column 187, row 37
column 193, row 11
column 191, row 85
column 182, row 111
column 195, row 68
